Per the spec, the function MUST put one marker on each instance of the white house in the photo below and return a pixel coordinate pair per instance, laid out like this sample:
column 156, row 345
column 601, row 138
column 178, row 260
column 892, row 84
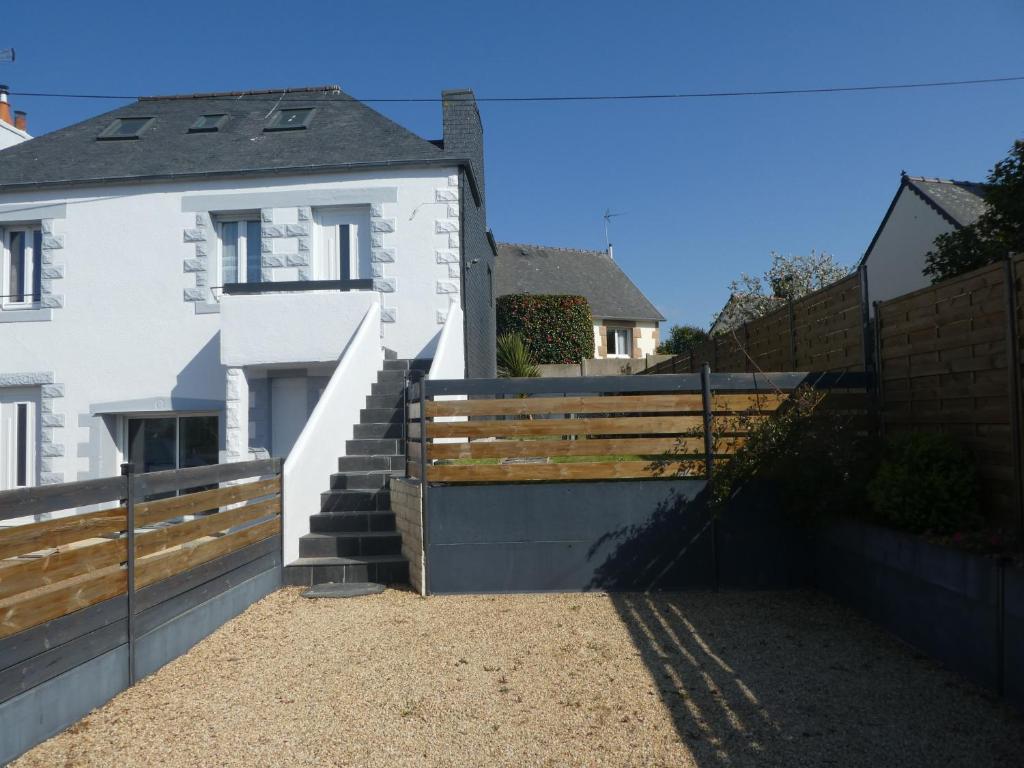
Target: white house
column 625, row 321
column 921, row 210
column 13, row 127
column 188, row 278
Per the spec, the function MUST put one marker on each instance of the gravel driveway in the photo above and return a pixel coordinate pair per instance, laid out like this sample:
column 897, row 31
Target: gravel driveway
column 693, row 679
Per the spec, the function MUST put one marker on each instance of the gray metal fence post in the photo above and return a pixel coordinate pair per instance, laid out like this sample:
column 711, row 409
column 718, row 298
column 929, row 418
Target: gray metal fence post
column 879, row 390
column 425, row 524
column 792, row 334
column 709, row 460
column 128, row 470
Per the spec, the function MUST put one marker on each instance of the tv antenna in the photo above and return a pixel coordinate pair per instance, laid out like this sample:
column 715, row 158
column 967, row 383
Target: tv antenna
column 608, row 216
column 6, row 55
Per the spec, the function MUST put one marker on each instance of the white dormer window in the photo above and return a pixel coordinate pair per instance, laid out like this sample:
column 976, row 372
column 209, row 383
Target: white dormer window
column 22, row 265
column 620, row 342
column 241, row 250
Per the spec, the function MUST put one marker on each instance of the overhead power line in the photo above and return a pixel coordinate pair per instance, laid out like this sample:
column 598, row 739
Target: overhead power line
column 591, row 97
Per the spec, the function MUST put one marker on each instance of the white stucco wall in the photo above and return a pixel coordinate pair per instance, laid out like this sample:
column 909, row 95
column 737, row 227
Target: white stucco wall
column 896, row 262
column 9, row 135
column 117, row 327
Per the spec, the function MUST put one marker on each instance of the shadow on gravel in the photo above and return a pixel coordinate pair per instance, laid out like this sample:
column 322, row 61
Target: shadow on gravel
column 791, row 679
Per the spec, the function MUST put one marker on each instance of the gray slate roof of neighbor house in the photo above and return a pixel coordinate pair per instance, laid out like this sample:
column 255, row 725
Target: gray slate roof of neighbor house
column 341, row 132
column 540, row 269
column 961, row 201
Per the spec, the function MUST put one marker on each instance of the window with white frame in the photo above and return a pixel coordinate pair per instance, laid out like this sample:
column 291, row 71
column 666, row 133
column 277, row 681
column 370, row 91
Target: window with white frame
column 22, row 264
column 241, row 249
column 343, row 247
column 620, row 342
column 18, row 428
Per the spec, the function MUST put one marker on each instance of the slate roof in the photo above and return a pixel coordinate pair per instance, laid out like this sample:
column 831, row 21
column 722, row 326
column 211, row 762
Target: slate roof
column 540, row 269
column 342, row 132
column 962, row 202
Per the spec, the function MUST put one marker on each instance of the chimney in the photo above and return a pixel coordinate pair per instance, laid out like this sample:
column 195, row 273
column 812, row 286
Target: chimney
column 21, row 121
column 611, row 254
column 5, row 108
column 463, row 131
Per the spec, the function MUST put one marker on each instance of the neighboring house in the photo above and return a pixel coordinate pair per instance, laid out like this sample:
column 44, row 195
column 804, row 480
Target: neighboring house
column 625, row 322
column 921, row 210
column 13, row 127
column 739, row 309
column 159, row 261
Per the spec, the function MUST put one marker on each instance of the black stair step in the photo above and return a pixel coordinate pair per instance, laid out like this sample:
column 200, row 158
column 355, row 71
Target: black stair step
column 395, row 377
column 355, row 501
column 374, row 447
column 361, row 481
column 372, row 463
column 380, row 415
column 418, row 364
column 375, row 430
column 390, row 354
column 383, row 569
column 387, row 388
column 386, row 400
column 352, row 522
column 350, row 544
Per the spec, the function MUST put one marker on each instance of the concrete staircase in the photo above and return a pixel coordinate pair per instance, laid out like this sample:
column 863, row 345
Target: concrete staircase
column 353, row 537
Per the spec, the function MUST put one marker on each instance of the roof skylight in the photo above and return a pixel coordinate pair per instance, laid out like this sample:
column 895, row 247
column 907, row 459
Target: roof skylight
column 290, row 119
column 208, row 123
column 125, row 128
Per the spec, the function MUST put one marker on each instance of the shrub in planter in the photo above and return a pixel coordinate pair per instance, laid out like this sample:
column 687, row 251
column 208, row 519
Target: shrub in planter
column 555, row 329
column 926, row 482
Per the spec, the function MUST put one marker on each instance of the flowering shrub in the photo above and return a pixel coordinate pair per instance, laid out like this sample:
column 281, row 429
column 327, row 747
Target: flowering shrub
column 555, row 329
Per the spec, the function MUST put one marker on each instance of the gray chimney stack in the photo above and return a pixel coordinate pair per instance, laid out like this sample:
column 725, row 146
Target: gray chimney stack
column 463, row 131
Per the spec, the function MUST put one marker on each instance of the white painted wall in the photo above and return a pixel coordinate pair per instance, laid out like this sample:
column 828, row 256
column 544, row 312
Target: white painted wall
column 306, row 327
column 896, row 262
column 9, row 135
column 123, row 330
column 314, row 457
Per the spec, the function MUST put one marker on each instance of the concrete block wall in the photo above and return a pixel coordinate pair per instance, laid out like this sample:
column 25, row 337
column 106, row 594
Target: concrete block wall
column 407, row 504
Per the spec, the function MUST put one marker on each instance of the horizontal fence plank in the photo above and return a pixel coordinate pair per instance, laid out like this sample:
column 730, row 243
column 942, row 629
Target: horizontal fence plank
column 625, row 425
column 169, row 588
column 152, row 483
column 22, row 646
column 412, row 410
column 33, row 537
column 56, row 661
column 152, row 618
column 30, row 608
column 604, row 470
column 570, row 404
column 54, row 498
column 150, row 542
column 149, row 512
column 599, row 404
column 500, row 449
column 24, row 575
column 151, row 569
column 412, row 469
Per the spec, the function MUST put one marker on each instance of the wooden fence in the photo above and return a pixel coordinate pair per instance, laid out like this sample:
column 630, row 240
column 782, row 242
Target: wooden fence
column 949, row 360
column 598, row 428
column 155, row 526
column 823, row 331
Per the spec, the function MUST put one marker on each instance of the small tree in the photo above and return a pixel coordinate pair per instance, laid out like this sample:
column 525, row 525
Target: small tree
column 997, row 232
column 514, row 360
column 681, row 339
column 788, row 278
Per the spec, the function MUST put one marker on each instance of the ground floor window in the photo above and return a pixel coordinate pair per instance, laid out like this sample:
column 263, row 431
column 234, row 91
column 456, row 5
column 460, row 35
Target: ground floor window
column 18, row 429
column 620, row 342
column 158, row 443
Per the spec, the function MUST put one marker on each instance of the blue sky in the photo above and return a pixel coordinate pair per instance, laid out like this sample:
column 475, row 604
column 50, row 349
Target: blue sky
column 707, row 187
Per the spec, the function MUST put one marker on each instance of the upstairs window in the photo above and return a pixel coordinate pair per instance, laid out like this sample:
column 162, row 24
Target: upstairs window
column 22, row 265
column 241, row 250
column 125, row 128
column 290, row 119
column 208, row 124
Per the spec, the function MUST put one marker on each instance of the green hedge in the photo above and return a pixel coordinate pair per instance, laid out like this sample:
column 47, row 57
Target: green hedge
column 556, row 329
